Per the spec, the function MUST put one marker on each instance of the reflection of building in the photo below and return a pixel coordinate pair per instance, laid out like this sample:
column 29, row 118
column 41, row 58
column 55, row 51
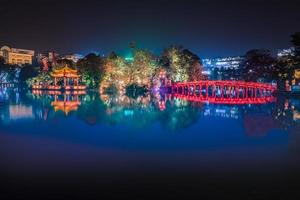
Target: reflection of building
column 16, row 56
column 221, row 111
column 67, row 104
column 20, row 112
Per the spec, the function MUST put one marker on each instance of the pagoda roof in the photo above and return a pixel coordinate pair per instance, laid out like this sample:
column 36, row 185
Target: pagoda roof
column 65, row 72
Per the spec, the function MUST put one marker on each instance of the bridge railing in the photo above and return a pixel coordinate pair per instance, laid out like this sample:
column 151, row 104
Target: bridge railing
column 225, row 90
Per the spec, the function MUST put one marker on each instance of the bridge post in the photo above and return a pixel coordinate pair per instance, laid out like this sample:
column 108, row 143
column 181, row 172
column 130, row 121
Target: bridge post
column 199, row 88
column 237, row 91
column 249, row 92
column 226, row 87
column 222, row 90
column 260, row 92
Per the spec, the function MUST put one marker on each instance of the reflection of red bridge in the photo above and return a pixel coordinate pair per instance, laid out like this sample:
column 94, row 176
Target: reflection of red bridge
column 225, row 92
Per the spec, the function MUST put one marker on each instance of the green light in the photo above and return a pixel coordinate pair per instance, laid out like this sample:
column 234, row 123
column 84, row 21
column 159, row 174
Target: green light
column 130, row 59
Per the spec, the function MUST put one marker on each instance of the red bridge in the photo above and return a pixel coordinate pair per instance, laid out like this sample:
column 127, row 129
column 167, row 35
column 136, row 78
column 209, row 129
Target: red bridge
column 225, row 92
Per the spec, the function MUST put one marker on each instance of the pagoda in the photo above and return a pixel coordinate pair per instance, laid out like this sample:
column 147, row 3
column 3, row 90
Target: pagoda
column 70, row 79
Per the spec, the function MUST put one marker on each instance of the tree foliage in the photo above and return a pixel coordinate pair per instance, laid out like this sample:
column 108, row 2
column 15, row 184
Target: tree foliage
column 258, row 65
column 27, row 72
column 42, row 78
column 296, row 43
column 181, row 64
column 91, row 70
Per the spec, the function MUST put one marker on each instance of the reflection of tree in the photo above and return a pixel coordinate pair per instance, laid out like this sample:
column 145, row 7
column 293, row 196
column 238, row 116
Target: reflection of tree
column 145, row 110
column 259, row 120
column 91, row 110
column 41, row 104
column 180, row 115
column 122, row 109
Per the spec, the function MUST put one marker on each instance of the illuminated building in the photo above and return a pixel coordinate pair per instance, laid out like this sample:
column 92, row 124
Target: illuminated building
column 16, row 56
column 70, row 80
column 73, row 57
column 50, row 56
column 68, row 75
column 285, row 52
column 232, row 62
column 53, row 57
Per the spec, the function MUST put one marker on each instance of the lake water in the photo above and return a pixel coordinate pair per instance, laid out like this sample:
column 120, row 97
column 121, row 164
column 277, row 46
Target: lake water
column 62, row 145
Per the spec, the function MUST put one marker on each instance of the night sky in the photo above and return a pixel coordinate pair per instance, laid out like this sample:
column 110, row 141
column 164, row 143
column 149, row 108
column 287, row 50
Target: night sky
column 209, row 28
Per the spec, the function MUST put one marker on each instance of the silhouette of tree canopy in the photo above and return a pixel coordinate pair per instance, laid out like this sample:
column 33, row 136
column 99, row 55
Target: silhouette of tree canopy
column 181, row 64
column 296, row 42
column 258, row 64
column 91, row 70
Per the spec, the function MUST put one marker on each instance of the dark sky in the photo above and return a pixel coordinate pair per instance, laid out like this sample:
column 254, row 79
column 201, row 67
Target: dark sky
column 209, row 28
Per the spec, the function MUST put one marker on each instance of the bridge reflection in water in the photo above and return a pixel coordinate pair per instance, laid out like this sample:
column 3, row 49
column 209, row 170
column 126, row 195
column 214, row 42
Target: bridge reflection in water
column 225, row 92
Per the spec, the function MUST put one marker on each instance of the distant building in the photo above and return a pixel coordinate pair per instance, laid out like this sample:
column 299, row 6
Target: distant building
column 73, row 57
column 232, row 62
column 16, row 56
column 53, row 57
column 285, row 52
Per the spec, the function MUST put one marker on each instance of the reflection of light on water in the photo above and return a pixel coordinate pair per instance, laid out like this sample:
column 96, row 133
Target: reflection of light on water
column 220, row 111
column 128, row 112
column 223, row 112
column 20, row 112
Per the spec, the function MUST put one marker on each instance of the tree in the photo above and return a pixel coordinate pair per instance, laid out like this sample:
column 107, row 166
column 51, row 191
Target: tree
column 27, row 72
column 296, row 42
column 42, row 78
column 171, row 60
column 115, row 73
column 142, row 68
column 181, row 64
column 258, row 64
column 195, row 67
column 119, row 73
column 2, row 61
column 64, row 62
column 7, row 72
column 91, row 70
